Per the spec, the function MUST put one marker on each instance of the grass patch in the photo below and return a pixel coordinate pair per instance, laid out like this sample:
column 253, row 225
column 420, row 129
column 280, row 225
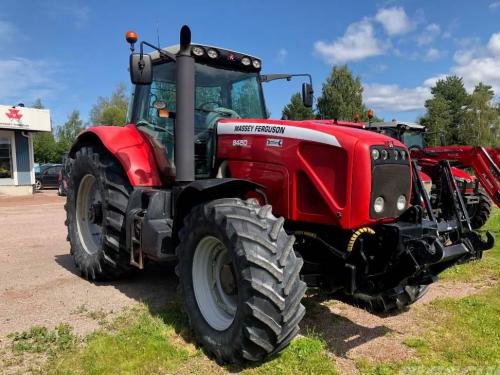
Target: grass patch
column 42, row 340
column 461, row 334
column 487, row 268
column 139, row 342
column 135, row 343
column 305, row 355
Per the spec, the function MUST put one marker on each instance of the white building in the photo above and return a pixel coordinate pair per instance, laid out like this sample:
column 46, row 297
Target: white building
column 17, row 125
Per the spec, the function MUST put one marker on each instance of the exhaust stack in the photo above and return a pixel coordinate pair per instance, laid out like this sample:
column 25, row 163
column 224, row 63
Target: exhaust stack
column 184, row 123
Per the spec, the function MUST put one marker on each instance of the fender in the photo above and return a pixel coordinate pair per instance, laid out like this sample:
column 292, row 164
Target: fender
column 129, row 147
column 206, row 190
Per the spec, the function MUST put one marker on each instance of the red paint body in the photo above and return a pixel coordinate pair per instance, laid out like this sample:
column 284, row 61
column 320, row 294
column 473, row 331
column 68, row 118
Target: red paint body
column 470, row 156
column 306, row 180
column 128, row 145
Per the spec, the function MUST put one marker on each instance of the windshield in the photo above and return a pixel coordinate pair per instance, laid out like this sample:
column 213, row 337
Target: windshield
column 413, row 138
column 219, row 93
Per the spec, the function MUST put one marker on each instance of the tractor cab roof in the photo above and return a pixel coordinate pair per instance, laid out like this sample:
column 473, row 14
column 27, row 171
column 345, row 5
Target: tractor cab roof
column 397, row 124
column 212, row 55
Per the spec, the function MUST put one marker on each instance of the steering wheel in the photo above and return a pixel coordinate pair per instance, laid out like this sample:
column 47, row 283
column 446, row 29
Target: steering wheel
column 155, row 127
column 215, row 115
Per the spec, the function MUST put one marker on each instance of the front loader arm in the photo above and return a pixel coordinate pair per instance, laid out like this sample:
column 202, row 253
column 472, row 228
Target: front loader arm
column 484, row 161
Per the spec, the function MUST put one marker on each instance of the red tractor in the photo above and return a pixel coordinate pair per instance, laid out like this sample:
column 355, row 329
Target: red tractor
column 413, row 136
column 253, row 210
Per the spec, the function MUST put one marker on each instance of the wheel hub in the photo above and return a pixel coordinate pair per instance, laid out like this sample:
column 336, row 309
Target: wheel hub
column 214, row 283
column 95, row 213
column 89, row 214
column 227, row 279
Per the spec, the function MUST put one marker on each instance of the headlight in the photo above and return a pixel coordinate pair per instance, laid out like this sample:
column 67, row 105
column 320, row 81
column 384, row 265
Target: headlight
column 375, row 154
column 213, row 54
column 401, row 204
column 385, row 154
column 403, row 154
column 378, row 205
column 198, row 51
column 246, row 61
column 256, row 64
column 396, row 154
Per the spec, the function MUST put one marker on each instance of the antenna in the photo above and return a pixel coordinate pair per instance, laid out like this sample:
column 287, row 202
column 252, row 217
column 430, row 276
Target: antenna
column 158, row 34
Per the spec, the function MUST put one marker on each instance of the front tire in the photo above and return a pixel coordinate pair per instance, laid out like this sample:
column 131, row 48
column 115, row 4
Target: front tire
column 240, row 279
column 97, row 197
column 38, row 185
column 480, row 212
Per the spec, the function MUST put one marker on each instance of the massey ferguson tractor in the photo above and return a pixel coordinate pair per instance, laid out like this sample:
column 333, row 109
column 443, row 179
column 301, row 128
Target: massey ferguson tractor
column 253, row 210
column 473, row 193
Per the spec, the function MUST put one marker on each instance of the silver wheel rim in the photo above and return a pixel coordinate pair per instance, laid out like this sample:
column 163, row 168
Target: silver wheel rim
column 211, row 259
column 89, row 231
column 38, row 185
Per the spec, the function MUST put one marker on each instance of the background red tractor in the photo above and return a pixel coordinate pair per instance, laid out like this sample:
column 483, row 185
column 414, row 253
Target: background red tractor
column 253, row 210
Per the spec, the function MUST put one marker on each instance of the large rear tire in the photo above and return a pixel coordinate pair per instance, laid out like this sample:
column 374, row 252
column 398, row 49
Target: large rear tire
column 97, row 197
column 480, row 212
column 240, row 280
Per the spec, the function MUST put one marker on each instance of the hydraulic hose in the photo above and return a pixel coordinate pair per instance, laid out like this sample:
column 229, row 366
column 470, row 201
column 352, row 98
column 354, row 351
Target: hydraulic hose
column 355, row 236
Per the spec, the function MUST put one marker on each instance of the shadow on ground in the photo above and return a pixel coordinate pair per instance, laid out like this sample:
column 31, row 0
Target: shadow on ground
column 156, row 287
column 340, row 333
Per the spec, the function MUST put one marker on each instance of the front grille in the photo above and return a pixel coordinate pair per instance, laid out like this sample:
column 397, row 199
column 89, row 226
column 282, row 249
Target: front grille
column 389, row 181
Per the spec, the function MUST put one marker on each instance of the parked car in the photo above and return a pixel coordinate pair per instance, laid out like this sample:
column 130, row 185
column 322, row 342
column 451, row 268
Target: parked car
column 63, row 174
column 48, row 177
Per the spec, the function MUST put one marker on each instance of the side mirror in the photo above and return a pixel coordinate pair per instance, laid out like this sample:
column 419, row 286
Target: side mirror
column 141, row 70
column 307, row 95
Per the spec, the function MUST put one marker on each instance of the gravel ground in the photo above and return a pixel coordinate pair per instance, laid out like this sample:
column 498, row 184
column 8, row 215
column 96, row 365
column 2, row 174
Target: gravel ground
column 39, row 283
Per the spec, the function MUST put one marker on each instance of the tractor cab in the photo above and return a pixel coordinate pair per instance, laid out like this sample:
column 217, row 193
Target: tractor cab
column 227, row 85
column 409, row 133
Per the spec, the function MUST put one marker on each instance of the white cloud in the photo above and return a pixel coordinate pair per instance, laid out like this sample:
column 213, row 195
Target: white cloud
column 358, row 42
column 433, row 54
column 428, row 34
column 477, row 70
column 478, row 63
column 494, row 44
column 25, row 80
column 395, row 98
column 394, row 20
column 474, row 63
column 495, row 5
column 281, row 55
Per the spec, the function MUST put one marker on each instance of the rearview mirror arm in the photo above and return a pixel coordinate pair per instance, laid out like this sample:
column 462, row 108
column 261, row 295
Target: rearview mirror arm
column 164, row 53
column 288, row 77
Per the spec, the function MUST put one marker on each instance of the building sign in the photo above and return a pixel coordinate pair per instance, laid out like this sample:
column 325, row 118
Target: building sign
column 24, row 118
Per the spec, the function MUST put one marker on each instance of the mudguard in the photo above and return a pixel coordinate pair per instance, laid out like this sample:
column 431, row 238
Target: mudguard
column 129, row 147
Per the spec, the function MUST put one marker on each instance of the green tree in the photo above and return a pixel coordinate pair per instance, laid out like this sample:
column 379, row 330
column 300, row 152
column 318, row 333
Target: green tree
column 437, row 120
column 45, row 148
column 111, row 111
column 342, row 96
column 451, row 91
column 480, row 120
column 67, row 133
column 44, row 143
column 296, row 110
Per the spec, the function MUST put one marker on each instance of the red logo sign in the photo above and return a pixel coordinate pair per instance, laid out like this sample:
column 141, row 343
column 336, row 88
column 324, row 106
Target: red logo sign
column 14, row 114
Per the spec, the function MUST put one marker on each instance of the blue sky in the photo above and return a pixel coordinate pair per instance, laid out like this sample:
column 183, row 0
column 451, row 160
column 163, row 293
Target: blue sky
column 70, row 52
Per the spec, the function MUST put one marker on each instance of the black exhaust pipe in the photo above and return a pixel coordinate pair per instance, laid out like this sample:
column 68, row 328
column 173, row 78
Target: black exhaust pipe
column 184, row 122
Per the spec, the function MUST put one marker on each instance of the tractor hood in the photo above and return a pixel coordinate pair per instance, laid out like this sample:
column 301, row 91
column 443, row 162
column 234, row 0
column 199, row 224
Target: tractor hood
column 334, row 176
column 321, row 131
